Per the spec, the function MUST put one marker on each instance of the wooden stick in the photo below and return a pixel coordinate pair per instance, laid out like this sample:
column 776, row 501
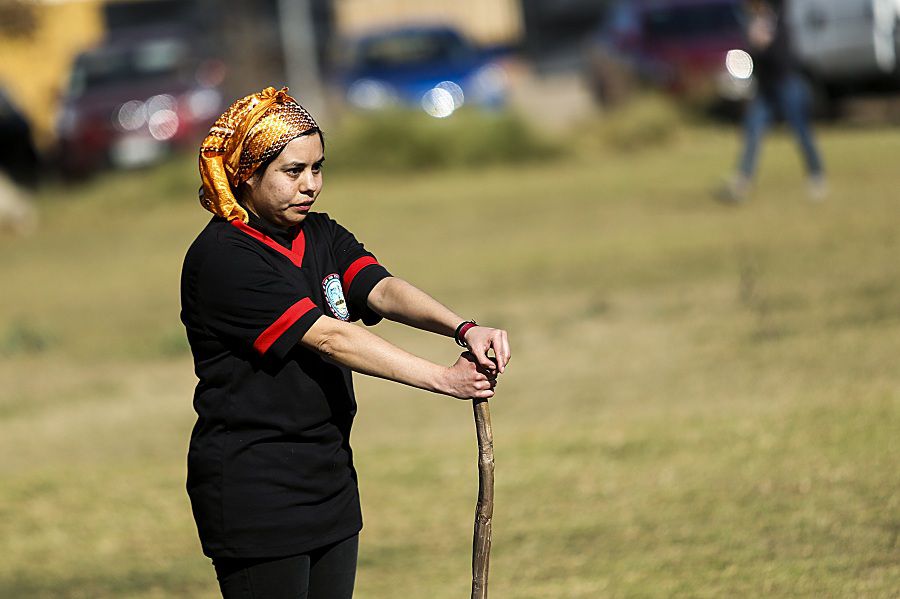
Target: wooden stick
column 484, row 511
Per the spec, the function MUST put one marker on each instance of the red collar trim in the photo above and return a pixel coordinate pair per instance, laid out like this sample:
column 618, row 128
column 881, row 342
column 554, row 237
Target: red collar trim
column 298, row 246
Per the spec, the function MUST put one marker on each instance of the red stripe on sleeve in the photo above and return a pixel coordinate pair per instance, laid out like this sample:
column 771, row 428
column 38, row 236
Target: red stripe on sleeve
column 282, row 324
column 357, row 266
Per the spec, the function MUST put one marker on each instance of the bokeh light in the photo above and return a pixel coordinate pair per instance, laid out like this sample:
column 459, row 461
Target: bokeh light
column 438, row 102
column 132, row 115
column 163, row 124
column 369, row 94
column 739, row 64
column 455, row 91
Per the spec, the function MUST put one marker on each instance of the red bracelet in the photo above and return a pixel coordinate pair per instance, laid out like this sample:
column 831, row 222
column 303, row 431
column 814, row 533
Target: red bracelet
column 461, row 331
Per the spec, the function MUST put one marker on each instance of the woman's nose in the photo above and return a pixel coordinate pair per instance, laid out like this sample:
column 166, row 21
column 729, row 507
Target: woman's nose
column 308, row 182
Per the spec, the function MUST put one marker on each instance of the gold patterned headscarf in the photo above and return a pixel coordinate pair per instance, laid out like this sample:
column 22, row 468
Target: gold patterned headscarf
column 249, row 133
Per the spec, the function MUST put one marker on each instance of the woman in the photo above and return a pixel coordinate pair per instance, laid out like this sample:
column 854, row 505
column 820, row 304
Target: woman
column 781, row 91
column 268, row 288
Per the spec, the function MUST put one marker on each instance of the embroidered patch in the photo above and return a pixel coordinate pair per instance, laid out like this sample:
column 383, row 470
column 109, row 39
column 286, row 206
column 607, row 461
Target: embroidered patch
column 334, row 295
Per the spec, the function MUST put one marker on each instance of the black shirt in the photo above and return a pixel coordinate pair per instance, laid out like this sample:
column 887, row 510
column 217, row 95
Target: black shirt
column 776, row 62
column 270, row 469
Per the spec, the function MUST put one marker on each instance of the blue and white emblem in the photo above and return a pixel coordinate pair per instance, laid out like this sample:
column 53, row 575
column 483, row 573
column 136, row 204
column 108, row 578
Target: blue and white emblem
column 334, row 295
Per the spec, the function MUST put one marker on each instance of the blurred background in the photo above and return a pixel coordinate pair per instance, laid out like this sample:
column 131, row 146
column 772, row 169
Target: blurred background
column 704, row 398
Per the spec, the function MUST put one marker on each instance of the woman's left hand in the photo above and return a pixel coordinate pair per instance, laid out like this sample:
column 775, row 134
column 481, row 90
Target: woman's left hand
column 480, row 340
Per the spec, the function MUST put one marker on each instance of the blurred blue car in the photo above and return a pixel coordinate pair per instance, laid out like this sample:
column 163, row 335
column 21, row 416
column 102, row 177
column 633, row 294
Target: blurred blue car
column 432, row 67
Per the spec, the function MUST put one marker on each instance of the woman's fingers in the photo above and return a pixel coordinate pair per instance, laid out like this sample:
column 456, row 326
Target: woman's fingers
column 481, row 354
column 480, row 341
column 474, row 381
column 501, row 350
column 477, row 368
column 495, row 340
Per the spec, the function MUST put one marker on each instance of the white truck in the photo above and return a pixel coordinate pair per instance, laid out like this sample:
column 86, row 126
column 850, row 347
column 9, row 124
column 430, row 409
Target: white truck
column 847, row 44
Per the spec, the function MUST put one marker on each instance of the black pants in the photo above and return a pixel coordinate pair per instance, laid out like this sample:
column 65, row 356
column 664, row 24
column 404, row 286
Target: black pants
column 326, row 573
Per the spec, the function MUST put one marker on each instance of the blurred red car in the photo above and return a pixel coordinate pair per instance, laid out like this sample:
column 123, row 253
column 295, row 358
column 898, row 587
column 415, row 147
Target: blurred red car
column 130, row 101
column 680, row 46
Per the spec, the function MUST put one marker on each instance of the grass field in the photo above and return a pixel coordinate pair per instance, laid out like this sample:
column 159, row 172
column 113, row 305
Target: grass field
column 704, row 401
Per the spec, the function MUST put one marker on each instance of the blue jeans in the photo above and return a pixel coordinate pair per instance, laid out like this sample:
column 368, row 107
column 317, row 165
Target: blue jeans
column 790, row 99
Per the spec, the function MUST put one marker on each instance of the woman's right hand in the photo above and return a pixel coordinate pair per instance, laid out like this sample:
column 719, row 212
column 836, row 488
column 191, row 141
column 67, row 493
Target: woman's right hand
column 467, row 380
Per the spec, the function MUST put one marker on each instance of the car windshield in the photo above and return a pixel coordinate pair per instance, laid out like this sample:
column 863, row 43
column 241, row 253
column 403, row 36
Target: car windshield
column 412, row 48
column 691, row 21
column 106, row 67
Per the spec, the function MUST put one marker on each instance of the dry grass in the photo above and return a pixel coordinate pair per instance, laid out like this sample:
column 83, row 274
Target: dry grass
column 704, row 401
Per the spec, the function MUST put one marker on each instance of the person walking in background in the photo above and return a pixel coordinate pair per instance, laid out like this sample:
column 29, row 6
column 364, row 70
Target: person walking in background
column 781, row 91
column 268, row 290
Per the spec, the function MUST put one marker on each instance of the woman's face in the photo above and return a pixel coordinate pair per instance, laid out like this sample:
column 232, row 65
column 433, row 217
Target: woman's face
column 284, row 193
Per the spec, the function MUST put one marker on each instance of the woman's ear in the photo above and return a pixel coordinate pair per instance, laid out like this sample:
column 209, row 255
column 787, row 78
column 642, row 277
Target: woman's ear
column 245, row 189
column 242, row 192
